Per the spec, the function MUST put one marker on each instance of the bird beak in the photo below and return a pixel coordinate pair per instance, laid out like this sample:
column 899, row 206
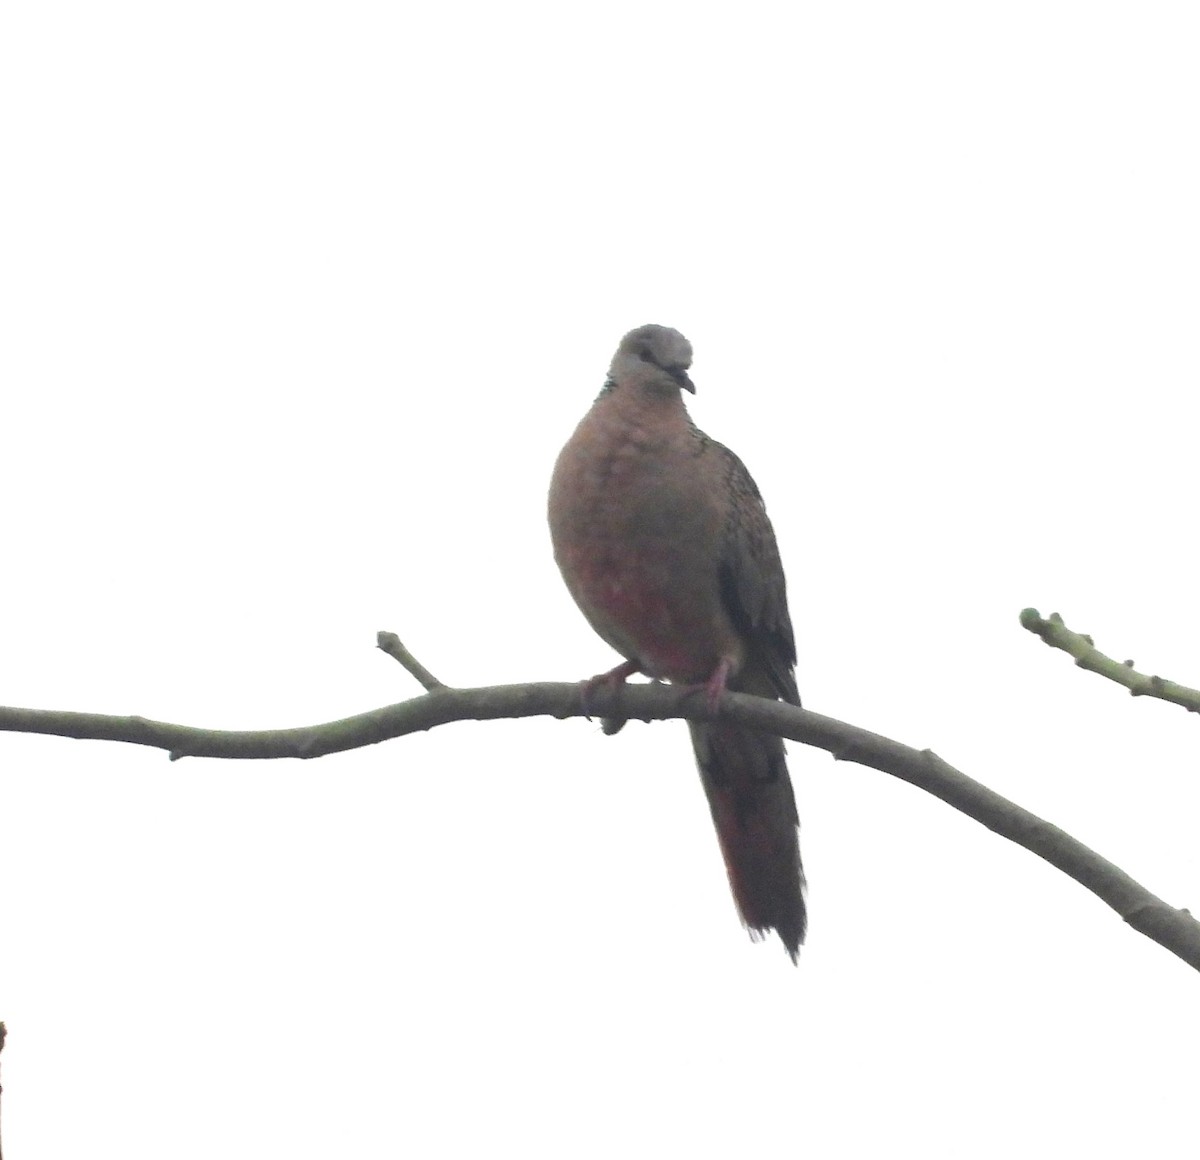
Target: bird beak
column 681, row 377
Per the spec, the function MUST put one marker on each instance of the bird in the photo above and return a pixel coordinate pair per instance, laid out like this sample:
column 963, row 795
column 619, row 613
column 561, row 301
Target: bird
column 663, row 540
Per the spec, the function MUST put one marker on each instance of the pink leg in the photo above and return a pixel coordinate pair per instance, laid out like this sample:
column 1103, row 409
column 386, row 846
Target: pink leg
column 714, row 688
column 614, row 678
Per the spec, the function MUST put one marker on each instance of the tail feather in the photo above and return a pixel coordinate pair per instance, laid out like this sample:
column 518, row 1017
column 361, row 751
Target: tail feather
column 754, row 810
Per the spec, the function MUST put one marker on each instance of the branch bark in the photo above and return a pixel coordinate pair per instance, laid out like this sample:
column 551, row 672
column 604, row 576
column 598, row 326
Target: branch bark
column 1087, row 656
column 1172, row 928
column 3, row 1034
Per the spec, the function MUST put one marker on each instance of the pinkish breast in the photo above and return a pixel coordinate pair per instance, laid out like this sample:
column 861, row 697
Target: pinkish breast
column 634, row 528
column 639, row 606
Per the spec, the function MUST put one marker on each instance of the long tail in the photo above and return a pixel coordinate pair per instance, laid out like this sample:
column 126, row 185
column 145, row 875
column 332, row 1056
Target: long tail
column 754, row 810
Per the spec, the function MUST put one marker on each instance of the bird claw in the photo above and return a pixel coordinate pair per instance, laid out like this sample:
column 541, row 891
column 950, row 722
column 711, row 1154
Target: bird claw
column 614, row 679
column 714, row 688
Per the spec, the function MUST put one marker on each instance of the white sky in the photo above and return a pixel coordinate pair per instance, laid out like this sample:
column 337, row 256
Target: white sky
column 300, row 302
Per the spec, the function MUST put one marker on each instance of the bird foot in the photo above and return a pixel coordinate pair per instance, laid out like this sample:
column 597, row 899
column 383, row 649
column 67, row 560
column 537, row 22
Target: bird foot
column 613, row 679
column 714, row 688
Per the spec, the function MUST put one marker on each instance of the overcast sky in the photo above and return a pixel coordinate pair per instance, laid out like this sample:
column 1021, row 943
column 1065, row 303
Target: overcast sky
column 299, row 303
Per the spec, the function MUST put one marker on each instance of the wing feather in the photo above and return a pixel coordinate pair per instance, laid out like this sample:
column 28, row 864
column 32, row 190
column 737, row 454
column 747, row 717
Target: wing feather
column 753, row 587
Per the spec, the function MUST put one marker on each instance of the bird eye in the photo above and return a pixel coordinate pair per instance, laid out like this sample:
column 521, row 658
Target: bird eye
column 645, row 355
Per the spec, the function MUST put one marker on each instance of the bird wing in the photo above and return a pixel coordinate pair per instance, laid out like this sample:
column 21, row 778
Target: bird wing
column 753, row 588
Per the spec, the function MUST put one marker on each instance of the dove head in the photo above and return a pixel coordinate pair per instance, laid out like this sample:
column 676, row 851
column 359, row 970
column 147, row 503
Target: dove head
column 653, row 357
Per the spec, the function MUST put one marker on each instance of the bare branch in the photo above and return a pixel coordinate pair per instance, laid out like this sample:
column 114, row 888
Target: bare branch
column 1174, row 929
column 3, row 1034
column 1087, row 656
column 394, row 647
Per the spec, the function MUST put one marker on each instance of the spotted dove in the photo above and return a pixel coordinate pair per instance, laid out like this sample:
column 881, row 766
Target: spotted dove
column 664, row 542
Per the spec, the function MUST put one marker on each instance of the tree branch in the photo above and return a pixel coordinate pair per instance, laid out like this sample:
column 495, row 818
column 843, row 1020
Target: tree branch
column 391, row 644
column 3, row 1034
column 1087, row 656
column 1174, row 929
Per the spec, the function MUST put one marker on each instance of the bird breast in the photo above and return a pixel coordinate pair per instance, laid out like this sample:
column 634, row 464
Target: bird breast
column 634, row 527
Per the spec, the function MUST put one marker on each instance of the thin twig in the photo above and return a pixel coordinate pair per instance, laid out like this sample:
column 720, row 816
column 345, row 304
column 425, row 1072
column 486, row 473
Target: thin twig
column 1172, row 928
column 394, row 647
column 3, row 1036
column 1088, row 656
